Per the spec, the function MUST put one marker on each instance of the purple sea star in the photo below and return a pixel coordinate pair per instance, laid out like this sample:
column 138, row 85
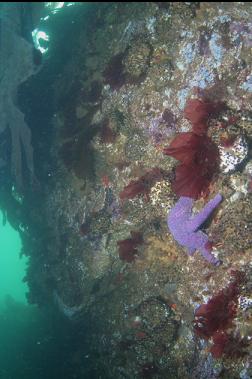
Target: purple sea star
column 185, row 227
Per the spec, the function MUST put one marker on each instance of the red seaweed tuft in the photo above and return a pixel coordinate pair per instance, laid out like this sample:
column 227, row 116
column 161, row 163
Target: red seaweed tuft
column 134, row 188
column 219, row 312
column 198, row 112
column 199, row 159
column 227, row 345
column 114, row 72
column 213, row 319
column 198, row 154
column 128, row 247
column 220, row 340
column 142, row 185
column 183, row 147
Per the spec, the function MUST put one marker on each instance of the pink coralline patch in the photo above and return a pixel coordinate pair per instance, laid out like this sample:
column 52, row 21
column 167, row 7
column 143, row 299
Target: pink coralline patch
column 199, row 159
column 142, row 185
column 128, row 247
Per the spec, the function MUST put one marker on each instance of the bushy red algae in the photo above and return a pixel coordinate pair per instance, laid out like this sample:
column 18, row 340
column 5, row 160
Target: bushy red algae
column 128, row 247
column 114, row 72
column 199, row 159
column 134, row 188
column 227, row 345
column 198, row 112
column 215, row 318
column 220, row 310
column 198, row 154
column 184, row 147
column 220, row 340
column 142, row 185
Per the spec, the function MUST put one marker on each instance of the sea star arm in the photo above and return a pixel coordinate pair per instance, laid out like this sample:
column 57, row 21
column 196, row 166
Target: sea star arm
column 196, row 221
column 191, row 250
column 199, row 240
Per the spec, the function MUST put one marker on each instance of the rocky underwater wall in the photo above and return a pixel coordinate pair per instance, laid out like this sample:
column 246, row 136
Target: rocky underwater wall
column 136, row 106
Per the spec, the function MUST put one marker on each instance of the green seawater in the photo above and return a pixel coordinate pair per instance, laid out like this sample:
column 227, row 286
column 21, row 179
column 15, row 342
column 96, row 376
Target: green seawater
column 12, row 267
column 25, row 331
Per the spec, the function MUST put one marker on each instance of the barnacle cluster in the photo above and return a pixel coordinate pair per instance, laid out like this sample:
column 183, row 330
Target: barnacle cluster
column 246, row 121
column 137, row 59
column 161, row 196
column 235, row 232
column 233, row 155
column 155, row 314
column 239, row 183
column 161, row 55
